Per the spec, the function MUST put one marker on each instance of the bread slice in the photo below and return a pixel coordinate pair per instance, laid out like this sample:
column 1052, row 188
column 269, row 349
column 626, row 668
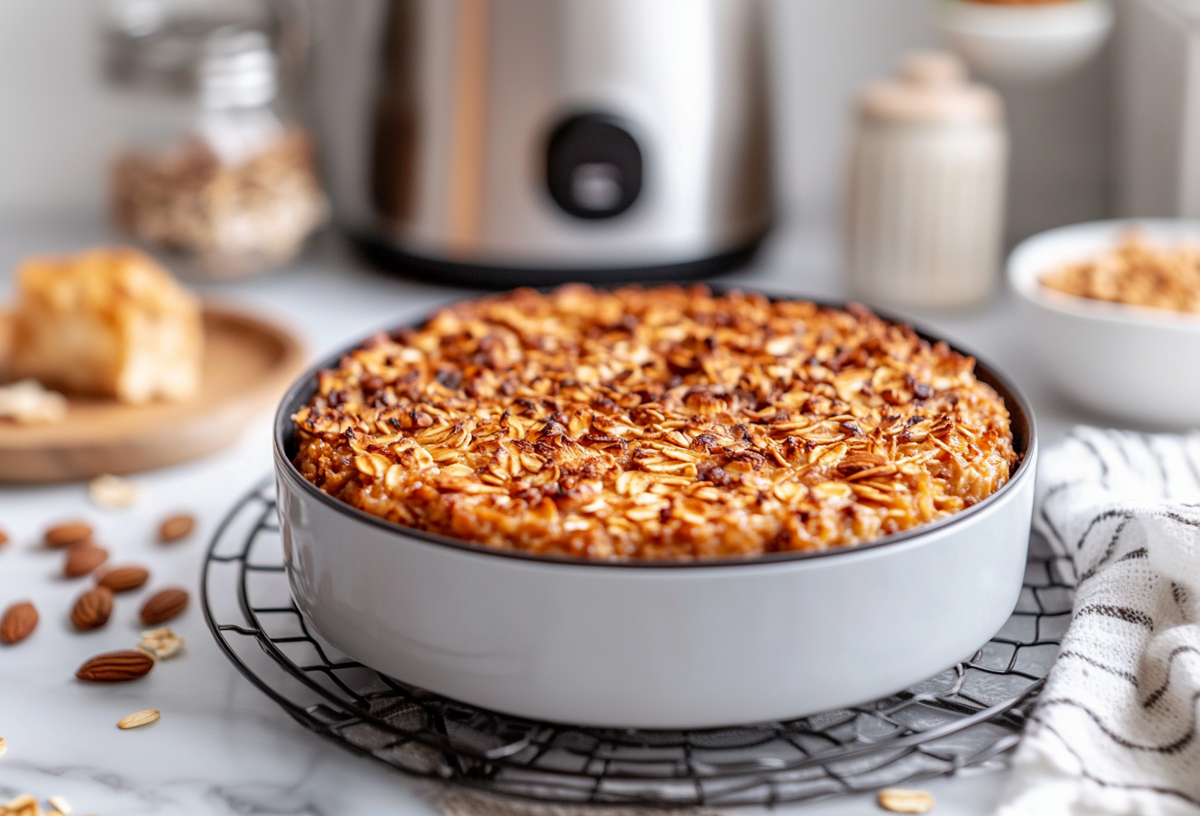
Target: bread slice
column 108, row 322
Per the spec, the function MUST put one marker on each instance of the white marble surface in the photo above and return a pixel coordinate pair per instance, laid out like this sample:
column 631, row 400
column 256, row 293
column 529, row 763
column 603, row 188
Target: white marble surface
column 222, row 747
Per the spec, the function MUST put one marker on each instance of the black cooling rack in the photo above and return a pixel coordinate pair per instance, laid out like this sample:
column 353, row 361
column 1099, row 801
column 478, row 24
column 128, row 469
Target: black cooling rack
column 966, row 717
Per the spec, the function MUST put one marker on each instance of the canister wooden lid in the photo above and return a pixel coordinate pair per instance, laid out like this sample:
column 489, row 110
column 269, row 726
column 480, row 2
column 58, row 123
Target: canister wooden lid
column 932, row 88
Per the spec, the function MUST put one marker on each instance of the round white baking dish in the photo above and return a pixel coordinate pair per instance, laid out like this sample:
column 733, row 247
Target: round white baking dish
column 1131, row 362
column 655, row 645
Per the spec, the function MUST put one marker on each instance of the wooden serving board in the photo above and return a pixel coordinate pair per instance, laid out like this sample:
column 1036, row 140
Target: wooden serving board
column 248, row 364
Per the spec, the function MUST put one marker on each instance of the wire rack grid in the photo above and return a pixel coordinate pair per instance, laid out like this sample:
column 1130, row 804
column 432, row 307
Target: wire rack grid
column 969, row 716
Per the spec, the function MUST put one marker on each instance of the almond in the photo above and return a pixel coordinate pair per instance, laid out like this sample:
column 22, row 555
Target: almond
column 83, row 558
column 123, row 579
column 3, row 538
column 18, row 622
column 176, row 527
column 92, row 609
column 115, row 667
column 64, row 535
column 164, row 605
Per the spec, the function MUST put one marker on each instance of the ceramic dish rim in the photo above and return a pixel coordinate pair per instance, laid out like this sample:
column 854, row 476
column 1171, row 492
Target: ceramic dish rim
column 1020, row 411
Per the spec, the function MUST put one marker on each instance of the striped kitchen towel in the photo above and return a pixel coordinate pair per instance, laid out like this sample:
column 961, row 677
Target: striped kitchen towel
column 1115, row 730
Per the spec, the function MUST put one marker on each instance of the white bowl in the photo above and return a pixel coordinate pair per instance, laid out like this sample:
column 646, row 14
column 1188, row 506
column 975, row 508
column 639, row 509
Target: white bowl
column 655, row 645
column 1131, row 362
column 1022, row 43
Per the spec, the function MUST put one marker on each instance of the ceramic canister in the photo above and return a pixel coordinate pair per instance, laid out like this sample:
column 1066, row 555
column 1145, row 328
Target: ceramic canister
column 926, row 193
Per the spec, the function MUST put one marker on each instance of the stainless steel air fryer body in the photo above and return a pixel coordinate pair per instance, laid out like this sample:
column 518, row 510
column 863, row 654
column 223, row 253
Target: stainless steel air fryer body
column 529, row 141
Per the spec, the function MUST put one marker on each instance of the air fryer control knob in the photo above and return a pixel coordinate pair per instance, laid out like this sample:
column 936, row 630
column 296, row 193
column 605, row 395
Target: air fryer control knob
column 593, row 166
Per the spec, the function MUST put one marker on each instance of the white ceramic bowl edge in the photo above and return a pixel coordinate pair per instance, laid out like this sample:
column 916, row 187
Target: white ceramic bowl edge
column 1020, row 43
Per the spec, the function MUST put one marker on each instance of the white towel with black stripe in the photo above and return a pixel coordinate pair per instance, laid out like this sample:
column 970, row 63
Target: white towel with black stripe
column 1115, row 730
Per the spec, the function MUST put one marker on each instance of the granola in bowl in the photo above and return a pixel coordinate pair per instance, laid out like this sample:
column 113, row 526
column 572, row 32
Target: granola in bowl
column 1138, row 273
column 655, row 424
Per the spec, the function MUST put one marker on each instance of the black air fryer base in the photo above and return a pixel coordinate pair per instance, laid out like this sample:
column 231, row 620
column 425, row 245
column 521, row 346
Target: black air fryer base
column 389, row 259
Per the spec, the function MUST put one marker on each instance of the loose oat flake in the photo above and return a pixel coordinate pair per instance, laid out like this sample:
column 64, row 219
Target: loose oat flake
column 3, row 746
column 161, row 643
column 24, row 805
column 138, row 719
column 60, row 804
column 28, row 403
column 113, row 491
column 906, row 800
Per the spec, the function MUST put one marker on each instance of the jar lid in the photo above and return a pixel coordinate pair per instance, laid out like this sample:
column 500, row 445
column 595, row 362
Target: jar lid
column 237, row 70
column 932, row 88
column 156, row 46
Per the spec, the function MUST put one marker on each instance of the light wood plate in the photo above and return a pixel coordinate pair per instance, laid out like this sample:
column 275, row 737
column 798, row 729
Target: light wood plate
column 248, row 364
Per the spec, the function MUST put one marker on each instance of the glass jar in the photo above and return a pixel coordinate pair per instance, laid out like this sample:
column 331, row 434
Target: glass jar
column 210, row 177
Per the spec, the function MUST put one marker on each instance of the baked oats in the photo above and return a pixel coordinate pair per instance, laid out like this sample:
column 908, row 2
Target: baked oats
column 655, row 424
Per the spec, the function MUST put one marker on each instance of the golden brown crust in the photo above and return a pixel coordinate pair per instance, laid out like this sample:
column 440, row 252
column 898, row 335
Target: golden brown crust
column 655, row 424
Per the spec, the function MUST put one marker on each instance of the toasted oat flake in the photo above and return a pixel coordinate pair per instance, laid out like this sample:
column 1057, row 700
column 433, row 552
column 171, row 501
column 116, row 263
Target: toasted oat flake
column 113, row 491
column 906, row 800
column 60, row 804
column 3, row 746
column 24, row 805
column 138, row 719
column 161, row 643
column 28, row 403
column 660, row 423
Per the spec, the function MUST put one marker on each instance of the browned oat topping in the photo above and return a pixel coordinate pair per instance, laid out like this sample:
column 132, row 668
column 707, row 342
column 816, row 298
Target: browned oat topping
column 662, row 423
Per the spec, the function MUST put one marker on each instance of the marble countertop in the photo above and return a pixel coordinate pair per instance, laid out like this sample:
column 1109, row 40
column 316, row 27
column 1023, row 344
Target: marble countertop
column 222, row 747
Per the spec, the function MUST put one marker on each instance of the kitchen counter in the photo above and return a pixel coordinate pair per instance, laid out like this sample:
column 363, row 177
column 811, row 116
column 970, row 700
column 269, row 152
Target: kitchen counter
column 222, row 747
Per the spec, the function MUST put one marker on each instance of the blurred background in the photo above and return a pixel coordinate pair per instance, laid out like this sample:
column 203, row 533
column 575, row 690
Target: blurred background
column 62, row 121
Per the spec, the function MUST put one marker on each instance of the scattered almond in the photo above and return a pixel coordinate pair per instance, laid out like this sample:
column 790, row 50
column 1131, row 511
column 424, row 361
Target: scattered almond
column 92, row 609
column 60, row 804
column 138, row 719
column 115, row 667
column 83, row 558
column 163, row 606
column 113, row 491
column 124, row 579
column 64, row 535
column 176, row 527
column 3, row 538
column 905, row 800
column 161, row 643
column 18, row 622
